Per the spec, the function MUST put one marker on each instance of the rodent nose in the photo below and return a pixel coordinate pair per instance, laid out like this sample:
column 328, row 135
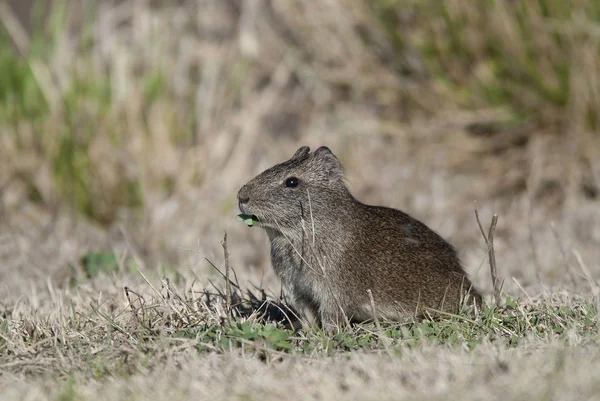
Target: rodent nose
column 243, row 198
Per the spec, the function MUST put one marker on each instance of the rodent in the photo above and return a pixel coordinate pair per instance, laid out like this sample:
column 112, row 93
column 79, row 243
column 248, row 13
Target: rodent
column 329, row 249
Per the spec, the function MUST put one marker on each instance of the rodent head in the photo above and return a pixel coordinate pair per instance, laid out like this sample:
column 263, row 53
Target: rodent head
column 307, row 184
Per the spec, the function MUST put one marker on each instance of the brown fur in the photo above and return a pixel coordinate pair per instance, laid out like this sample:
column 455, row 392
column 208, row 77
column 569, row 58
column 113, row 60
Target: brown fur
column 329, row 249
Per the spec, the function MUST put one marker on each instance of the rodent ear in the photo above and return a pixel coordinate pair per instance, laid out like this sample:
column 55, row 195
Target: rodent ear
column 303, row 151
column 326, row 157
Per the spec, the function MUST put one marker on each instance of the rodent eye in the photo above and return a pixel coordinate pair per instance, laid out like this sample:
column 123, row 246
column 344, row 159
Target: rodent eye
column 292, row 182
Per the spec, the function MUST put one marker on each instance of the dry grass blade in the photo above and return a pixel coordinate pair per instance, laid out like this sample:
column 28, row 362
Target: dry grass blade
column 380, row 333
column 113, row 323
column 14, row 28
column 227, row 281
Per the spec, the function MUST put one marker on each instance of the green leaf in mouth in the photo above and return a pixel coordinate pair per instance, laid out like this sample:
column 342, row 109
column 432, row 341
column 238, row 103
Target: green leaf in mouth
column 249, row 219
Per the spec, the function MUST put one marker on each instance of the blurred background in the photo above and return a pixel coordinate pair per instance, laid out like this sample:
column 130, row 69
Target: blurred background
column 127, row 127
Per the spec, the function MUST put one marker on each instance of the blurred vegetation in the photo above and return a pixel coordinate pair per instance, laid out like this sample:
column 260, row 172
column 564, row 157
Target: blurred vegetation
column 539, row 59
column 95, row 263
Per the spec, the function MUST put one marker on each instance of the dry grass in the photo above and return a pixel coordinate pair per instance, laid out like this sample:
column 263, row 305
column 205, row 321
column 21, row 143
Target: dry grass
column 130, row 135
column 167, row 341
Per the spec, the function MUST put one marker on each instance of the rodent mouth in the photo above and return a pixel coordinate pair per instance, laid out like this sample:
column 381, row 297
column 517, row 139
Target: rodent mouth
column 249, row 219
column 246, row 210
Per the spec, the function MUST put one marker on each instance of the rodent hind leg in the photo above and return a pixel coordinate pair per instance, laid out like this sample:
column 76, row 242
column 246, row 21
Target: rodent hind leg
column 333, row 318
column 307, row 308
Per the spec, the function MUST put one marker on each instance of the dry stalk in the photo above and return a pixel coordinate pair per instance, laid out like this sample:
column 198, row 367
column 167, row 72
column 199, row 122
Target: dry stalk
column 373, row 310
column 133, row 309
column 489, row 241
column 380, row 333
column 227, row 282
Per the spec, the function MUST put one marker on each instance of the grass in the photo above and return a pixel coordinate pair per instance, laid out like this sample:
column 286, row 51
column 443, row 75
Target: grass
column 78, row 342
column 151, row 326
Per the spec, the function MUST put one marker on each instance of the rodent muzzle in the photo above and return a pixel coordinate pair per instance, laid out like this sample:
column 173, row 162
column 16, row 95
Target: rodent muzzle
column 243, row 199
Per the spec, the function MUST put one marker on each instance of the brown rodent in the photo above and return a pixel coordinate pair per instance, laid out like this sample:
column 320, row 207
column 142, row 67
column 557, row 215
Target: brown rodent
column 329, row 249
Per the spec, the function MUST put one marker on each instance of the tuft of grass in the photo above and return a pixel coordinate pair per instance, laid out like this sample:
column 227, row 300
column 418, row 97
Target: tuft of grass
column 69, row 393
column 95, row 263
column 525, row 56
column 20, row 95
